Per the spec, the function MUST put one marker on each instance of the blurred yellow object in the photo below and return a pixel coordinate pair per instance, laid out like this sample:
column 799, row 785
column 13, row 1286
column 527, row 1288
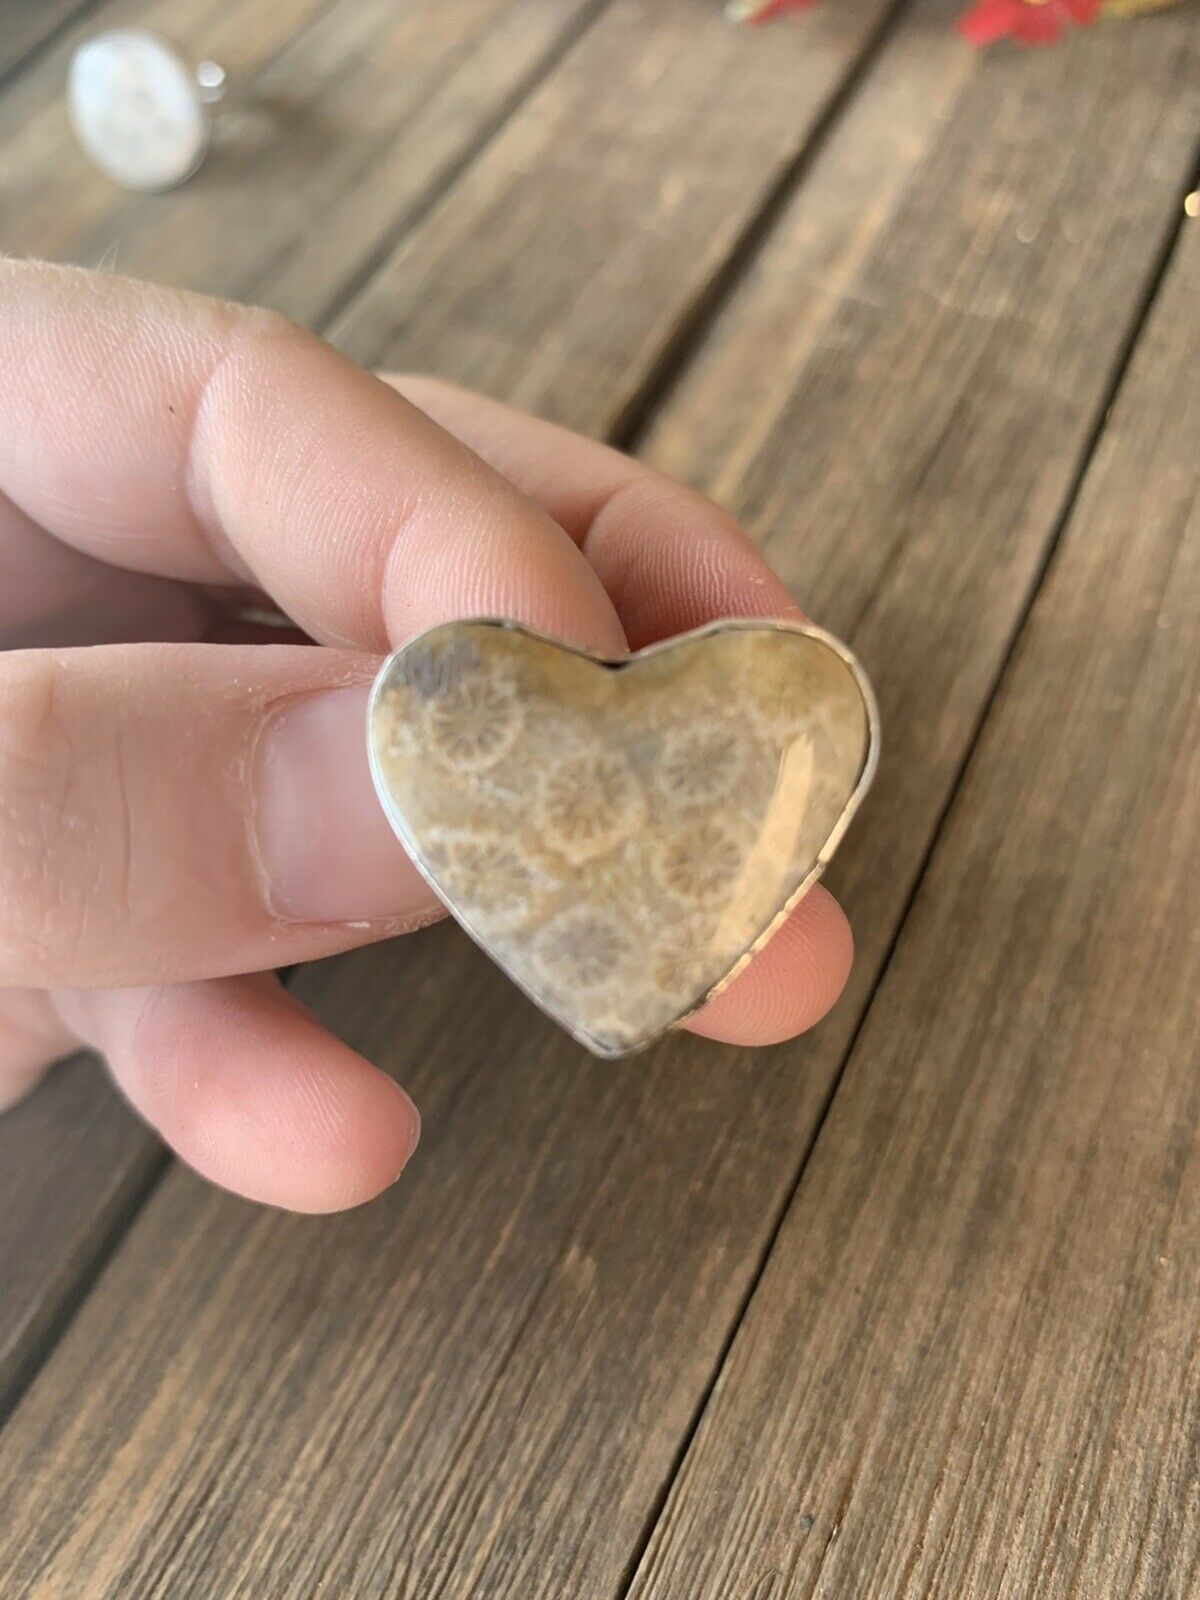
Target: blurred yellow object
column 1133, row 8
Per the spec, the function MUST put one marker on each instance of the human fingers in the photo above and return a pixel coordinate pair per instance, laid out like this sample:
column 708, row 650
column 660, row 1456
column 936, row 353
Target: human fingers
column 669, row 558
column 249, row 1089
column 53, row 595
column 773, row 1007
column 170, row 812
column 181, row 811
column 194, row 439
column 233, row 497
column 791, row 983
column 32, row 1035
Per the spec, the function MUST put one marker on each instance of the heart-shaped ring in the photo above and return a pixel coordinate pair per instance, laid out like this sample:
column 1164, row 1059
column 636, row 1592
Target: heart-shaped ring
column 622, row 835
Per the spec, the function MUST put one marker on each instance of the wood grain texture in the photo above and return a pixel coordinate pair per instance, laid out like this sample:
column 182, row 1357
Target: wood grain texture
column 479, row 1385
column 971, row 1367
column 938, row 307
column 74, row 1164
column 50, row 196
column 342, row 117
column 26, row 27
column 577, row 249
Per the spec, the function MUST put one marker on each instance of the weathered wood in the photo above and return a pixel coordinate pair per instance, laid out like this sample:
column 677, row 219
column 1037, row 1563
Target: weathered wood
column 937, row 305
column 487, row 71
column 50, row 195
column 575, row 251
column 74, row 1164
column 971, row 1366
column 479, row 1384
column 24, row 28
column 338, row 142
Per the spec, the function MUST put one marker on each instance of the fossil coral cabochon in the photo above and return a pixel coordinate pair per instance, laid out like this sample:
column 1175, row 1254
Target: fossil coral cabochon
column 621, row 836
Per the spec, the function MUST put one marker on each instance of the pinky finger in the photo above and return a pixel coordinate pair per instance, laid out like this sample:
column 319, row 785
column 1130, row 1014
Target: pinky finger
column 249, row 1089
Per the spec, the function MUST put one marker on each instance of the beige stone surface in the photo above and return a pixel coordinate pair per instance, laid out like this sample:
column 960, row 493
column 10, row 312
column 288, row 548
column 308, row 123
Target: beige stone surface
column 619, row 836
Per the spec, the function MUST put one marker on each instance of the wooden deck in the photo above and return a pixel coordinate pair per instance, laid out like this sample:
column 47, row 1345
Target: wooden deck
column 911, row 1307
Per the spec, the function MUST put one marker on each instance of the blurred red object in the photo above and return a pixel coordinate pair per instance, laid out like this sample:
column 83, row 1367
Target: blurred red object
column 1027, row 21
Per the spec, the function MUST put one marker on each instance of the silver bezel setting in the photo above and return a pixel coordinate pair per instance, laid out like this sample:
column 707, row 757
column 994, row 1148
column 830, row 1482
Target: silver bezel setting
column 617, row 664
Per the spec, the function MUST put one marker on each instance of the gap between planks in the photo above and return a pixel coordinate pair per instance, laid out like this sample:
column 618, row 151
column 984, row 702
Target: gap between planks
column 37, row 37
column 358, row 280
column 1078, row 1546
column 1172, row 236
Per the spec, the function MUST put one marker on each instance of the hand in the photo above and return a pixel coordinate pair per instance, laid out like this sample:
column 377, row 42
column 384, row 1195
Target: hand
column 184, row 808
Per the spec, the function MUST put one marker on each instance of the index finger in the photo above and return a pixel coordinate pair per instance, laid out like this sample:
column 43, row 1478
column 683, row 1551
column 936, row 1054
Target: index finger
column 195, row 439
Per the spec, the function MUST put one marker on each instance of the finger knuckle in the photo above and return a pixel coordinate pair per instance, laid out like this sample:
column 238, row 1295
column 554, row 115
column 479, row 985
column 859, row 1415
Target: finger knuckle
column 652, row 499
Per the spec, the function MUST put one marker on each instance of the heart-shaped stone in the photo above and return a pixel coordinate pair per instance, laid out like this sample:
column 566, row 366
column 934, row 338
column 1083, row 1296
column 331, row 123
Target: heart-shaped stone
column 621, row 836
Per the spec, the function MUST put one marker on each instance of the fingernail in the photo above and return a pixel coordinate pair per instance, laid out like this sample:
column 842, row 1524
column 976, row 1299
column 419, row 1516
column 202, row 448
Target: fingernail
column 325, row 848
column 415, row 1130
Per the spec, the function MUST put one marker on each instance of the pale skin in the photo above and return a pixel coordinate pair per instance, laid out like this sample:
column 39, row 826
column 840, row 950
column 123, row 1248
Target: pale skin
column 186, row 805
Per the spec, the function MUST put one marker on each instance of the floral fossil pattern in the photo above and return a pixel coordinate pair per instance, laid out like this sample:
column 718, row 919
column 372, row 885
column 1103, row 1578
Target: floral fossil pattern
column 620, row 836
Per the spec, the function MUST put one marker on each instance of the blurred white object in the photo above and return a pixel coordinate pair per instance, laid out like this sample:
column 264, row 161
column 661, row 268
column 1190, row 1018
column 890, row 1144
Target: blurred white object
column 140, row 111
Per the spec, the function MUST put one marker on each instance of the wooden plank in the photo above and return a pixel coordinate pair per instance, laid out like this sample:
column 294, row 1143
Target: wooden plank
column 573, row 254
column 50, row 196
column 343, row 136
column 328, row 102
column 479, row 1384
column 74, row 1164
column 366, row 209
column 218, row 236
column 971, row 1366
column 25, row 28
